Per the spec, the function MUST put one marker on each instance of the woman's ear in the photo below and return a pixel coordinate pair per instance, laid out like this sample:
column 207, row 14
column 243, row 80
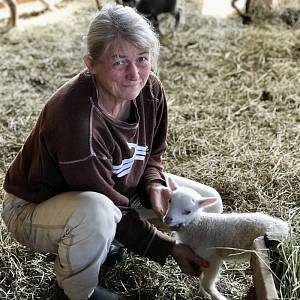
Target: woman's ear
column 89, row 62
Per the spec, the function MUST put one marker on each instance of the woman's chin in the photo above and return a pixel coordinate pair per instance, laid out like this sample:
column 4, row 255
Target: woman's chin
column 129, row 93
column 129, row 97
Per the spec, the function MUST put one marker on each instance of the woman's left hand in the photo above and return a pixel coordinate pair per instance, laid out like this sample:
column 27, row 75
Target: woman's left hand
column 159, row 196
column 188, row 261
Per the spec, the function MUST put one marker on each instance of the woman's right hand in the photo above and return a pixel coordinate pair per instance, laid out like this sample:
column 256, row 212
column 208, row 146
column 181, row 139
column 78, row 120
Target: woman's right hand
column 159, row 196
column 188, row 261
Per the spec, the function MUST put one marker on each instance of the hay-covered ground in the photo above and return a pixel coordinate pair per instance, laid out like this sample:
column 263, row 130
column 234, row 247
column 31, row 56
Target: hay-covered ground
column 234, row 110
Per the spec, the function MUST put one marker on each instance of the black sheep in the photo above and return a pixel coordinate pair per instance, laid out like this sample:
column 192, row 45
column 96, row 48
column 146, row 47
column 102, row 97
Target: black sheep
column 152, row 8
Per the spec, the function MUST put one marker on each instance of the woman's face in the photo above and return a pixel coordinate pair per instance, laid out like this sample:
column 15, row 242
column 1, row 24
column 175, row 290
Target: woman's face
column 122, row 71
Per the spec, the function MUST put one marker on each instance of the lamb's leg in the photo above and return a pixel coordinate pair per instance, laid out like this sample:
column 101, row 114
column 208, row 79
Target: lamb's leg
column 98, row 3
column 210, row 277
column 247, row 7
column 155, row 22
column 245, row 17
column 202, row 292
column 12, row 4
column 177, row 18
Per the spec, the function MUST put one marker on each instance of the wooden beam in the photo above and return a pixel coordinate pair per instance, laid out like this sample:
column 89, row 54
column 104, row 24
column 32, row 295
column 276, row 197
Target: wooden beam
column 262, row 275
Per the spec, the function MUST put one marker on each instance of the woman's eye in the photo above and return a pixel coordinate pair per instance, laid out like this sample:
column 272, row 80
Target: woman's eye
column 186, row 212
column 143, row 59
column 119, row 62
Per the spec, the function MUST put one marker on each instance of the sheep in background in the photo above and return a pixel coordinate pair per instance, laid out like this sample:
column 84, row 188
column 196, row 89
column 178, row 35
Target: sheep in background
column 297, row 24
column 131, row 3
column 151, row 9
column 12, row 5
column 245, row 16
column 217, row 237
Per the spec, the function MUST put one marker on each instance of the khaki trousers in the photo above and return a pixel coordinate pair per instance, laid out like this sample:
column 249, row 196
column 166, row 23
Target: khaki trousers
column 79, row 227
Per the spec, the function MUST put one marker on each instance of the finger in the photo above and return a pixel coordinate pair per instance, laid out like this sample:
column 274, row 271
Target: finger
column 159, row 208
column 161, row 213
column 158, row 211
column 166, row 193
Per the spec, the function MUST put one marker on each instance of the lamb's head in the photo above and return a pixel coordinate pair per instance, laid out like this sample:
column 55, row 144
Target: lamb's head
column 184, row 205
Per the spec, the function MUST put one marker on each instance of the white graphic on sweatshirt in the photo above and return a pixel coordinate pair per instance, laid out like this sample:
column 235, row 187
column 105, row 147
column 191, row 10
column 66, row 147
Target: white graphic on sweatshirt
column 126, row 164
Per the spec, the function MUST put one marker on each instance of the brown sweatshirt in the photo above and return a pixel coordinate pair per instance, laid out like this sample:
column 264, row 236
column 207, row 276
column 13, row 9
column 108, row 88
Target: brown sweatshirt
column 74, row 146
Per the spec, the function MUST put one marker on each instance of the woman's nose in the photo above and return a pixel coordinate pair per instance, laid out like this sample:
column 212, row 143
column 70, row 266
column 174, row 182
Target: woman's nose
column 132, row 71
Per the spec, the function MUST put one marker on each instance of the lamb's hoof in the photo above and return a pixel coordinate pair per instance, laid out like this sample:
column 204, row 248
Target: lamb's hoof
column 116, row 254
column 247, row 20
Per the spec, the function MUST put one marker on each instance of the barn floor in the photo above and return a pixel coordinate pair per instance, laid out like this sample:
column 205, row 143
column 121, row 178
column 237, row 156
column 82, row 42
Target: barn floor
column 233, row 95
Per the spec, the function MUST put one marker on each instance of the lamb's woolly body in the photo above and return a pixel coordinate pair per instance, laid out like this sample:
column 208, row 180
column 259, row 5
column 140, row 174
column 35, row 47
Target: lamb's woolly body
column 209, row 233
column 217, row 237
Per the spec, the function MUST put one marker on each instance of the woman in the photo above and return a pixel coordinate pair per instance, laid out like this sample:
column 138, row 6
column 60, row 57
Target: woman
column 95, row 150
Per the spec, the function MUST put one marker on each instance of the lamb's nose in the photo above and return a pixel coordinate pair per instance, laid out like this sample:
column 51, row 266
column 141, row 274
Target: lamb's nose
column 167, row 219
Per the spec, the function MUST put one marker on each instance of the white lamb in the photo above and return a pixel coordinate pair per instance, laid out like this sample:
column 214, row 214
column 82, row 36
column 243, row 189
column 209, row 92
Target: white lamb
column 217, row 237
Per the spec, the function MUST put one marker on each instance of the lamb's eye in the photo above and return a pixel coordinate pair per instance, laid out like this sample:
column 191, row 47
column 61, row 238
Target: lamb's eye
column 186, row 212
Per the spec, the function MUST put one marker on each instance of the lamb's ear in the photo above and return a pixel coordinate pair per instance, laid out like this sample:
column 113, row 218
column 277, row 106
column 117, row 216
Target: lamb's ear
column 172, row 184
column 207, row 201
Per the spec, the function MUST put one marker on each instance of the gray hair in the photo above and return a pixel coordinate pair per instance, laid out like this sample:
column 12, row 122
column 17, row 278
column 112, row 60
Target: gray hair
column 118, row 21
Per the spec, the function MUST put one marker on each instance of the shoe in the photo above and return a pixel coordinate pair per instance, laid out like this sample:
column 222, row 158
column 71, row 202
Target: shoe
column 99, row 293
column 104, row 294
column 115, row 254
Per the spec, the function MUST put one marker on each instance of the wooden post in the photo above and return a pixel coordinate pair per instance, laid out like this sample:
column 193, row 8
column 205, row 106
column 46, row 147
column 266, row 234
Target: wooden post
column 262, row 275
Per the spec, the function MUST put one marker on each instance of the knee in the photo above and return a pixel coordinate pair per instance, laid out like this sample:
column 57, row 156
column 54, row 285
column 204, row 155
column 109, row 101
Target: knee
column 97, row 214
